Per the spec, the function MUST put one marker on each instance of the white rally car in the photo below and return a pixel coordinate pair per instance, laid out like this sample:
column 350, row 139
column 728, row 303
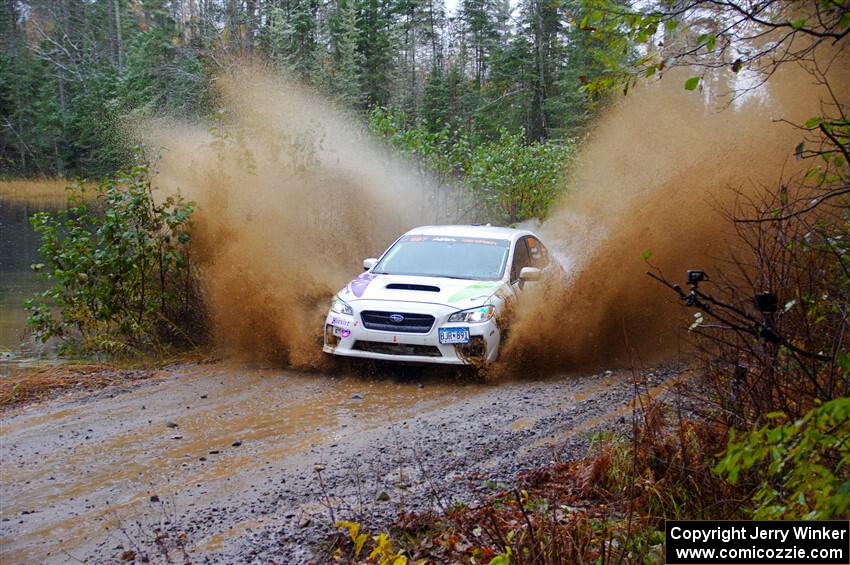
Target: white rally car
column 435, row 296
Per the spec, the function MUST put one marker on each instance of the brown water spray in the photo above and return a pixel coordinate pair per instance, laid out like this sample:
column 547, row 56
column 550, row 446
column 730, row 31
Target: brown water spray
column 291, row 195
column 656, row 175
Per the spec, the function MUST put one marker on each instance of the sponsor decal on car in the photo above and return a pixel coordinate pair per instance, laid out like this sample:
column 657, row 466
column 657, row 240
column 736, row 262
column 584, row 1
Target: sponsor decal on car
column 358, row 285
column 474, row 290
column 472, row 240
column 480, row 241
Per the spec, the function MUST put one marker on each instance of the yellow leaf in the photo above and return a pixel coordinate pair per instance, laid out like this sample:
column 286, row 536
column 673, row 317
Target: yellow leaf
column 358, row 544
column 400, row 560
column 383, row 546
column 352, row 527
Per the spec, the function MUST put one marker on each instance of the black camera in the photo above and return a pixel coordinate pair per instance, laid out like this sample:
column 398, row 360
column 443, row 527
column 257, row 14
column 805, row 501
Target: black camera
column 696, row 276
column 766, row 302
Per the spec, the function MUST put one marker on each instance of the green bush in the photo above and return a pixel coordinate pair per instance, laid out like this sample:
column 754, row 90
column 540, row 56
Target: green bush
column 803, row 466
column 515, row 181
column 510, row 180
column 119, row 264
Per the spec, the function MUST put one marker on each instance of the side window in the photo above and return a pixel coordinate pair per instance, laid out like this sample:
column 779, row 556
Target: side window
column 521, row 259
column 539, row 254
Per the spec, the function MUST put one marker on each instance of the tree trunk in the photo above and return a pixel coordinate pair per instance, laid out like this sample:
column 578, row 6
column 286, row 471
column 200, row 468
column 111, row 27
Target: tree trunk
column 118, row 40
column 537, row 130
column 232, row 16
column 413, row 60
column 250, row 26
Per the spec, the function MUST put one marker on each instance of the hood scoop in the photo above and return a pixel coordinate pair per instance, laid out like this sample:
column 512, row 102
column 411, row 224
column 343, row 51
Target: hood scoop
column 417, row 287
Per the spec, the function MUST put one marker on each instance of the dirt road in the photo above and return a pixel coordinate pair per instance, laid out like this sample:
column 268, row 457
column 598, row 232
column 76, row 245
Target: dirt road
column 250, row 463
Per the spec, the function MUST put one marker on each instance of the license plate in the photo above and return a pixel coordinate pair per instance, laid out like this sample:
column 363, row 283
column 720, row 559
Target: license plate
column 454, row 335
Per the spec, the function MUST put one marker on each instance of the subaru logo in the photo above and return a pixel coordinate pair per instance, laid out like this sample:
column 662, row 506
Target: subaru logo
column 396, row 318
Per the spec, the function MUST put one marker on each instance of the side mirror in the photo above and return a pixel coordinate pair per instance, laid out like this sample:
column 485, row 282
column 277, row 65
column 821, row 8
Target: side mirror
column 369, row 263
column 529, row 274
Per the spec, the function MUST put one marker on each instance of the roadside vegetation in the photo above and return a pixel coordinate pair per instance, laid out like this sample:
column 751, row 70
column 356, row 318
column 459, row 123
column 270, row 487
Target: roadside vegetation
column 120, row 269
column 508, row 179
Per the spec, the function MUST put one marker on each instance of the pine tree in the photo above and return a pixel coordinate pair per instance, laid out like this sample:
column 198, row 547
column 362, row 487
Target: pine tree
column 81, row 67
column 484, row 25
column 289, row 38
column 347, row 59
column 542, row 25
column 436, row 107
column 376, row 46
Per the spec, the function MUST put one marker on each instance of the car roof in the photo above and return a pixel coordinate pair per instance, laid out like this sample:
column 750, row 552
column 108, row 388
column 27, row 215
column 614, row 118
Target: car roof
column 487, row 231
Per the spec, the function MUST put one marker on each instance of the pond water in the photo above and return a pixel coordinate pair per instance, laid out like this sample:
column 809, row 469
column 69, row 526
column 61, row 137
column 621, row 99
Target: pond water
column 18, row 250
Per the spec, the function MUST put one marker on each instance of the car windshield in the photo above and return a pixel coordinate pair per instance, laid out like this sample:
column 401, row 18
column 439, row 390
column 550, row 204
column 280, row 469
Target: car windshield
column 445, row 256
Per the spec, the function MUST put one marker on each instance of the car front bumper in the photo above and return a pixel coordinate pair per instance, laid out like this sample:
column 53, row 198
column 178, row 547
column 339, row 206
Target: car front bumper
column 347, row 336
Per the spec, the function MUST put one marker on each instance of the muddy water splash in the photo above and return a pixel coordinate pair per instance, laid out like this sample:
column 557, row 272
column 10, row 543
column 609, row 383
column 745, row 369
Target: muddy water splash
column 291, row 195
column 654, row 176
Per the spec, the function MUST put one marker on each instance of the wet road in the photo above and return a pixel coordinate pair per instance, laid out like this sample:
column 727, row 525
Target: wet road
column 229, row 456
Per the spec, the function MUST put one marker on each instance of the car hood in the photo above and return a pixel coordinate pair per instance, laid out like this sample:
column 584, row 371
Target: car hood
column 459, row 293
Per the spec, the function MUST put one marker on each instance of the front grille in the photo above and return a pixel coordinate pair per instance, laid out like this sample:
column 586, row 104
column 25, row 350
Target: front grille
column 397, row 348
column 411, row 323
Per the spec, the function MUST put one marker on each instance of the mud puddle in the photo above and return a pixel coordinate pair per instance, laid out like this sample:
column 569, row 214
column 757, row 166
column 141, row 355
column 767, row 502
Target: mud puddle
column 231, row 454
column 68, row 472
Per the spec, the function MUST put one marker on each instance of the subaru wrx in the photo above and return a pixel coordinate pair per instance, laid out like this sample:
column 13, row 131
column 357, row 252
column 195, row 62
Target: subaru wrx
column 437, row 295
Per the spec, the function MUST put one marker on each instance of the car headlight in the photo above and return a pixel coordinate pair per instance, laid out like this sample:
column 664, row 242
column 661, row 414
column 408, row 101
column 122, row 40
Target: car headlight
column 474, row 315
column 341, row 307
